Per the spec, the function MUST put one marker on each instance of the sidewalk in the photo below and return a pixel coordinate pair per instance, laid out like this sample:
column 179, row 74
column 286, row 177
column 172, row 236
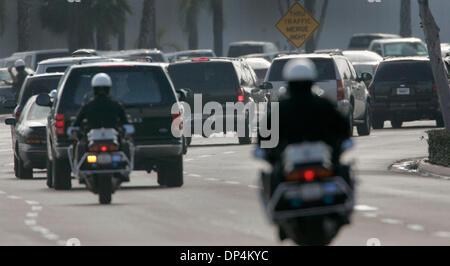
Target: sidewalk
column 435, row 170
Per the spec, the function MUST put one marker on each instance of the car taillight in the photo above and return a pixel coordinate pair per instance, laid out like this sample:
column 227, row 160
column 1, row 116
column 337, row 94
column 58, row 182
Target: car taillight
column 340, row 90
column 241, row 97
column 309, row 175
column 178, row 116
column 59, row 125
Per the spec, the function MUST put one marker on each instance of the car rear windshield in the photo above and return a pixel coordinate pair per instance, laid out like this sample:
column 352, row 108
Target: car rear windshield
column 237, row 51
column 59, row 69
column 404, row 71
column 362, row 42
column 325, row 68
column 405, row 49
column 203, row 77
column 356, row 57
column 37, row 112
column 45, row 56
column 132, row 86
column 35, row 86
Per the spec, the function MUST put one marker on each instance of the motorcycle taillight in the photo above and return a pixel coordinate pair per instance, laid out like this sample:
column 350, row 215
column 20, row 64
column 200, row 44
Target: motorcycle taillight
column 309, row 174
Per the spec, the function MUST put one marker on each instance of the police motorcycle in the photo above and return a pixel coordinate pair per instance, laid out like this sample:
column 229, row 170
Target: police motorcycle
column 105, row 161
column 309, row 201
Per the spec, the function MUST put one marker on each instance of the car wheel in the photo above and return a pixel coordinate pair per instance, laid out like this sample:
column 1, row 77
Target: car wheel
column 246, row 140
column 364, row 129
column 49, row 174
column 16, row 166
column 440, row 122
column 396, row 123
column 61, row 174
column 23, row 172
column 170, row 173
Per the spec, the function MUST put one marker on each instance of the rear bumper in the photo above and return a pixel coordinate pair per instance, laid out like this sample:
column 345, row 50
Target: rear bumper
column 33, row 156
column 406, row 111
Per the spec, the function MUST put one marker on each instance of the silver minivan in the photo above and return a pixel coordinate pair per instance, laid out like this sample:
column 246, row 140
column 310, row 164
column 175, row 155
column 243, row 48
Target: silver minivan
column 337, row 82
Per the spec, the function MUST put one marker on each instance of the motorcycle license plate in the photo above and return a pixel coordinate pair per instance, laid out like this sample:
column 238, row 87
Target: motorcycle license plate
column 104, row 159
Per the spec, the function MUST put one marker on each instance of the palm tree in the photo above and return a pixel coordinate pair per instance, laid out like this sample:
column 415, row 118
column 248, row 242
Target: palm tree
column 405, row 18
column 23, row 24
column 147, row 35
column 189, row 11
column 218, row 25
column 86, row 21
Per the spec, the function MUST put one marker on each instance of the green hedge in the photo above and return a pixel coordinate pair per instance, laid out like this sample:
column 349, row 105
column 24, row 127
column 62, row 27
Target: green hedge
column 439, row 147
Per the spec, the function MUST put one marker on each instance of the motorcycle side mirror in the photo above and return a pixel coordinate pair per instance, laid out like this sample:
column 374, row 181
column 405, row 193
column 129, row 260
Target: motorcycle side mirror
column 129, row 129
column 44, row 100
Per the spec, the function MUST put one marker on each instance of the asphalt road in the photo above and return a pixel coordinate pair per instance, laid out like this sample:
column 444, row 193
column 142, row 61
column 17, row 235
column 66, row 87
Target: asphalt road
column 219, row 203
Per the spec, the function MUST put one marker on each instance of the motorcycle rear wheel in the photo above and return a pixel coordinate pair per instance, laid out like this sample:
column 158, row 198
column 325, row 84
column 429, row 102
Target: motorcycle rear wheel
column 311, row 232
column 105, row 189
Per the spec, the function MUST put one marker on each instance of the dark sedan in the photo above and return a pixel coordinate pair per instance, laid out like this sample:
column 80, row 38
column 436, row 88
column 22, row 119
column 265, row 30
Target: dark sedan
column 29, row 139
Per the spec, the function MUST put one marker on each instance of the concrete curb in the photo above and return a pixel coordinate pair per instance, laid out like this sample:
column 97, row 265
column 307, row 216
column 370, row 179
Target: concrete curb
column 434, row 170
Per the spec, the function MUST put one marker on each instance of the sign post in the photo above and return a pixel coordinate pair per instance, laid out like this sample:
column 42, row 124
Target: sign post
column 297, row 25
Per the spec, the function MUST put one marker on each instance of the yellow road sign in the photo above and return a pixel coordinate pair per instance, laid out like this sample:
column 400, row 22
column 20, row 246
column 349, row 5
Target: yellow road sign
column 297, row 25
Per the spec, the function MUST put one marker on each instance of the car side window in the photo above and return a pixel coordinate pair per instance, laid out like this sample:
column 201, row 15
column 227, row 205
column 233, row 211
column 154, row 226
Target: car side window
column 377, row 48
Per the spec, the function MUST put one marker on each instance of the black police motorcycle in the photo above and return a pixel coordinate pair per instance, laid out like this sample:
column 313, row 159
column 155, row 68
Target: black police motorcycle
column 105, row 160
column 309, row 201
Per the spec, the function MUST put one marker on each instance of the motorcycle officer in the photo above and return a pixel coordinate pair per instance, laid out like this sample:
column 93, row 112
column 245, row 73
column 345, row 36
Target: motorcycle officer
column 100, row 112
column 304, row 117
column 18, row 78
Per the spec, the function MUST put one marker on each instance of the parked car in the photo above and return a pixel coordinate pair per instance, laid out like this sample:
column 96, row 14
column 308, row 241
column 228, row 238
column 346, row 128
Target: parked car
column 362, row 41
column 148, row 96
column 399, row 47
column 191, row 54
column 32, row 58
column 260, row 66
column 403, row 90
column 364, row 61
column 56, row 65
column 29, row 139
column 238, row 49
column 338, row 82
column 221, row 80
column 34, row 85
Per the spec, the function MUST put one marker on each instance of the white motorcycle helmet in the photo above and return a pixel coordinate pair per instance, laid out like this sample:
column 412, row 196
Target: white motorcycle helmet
column 298, row 70
column 101, row 83
column 19, row 63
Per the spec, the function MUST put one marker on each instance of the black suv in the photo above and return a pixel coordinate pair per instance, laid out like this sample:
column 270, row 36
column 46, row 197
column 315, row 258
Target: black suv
column 221, row 80
column 403, row 90
column 147, row 94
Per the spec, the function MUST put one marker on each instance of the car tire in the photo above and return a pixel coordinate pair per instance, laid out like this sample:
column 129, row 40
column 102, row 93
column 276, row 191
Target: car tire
column 61, row 174
column 170, row 173
column 440, row 122
column 366, row 127
column 397, row 123
column 49, row 174
column 23, row 172
column 351, row 122
column 247, row 139
column 16, row 166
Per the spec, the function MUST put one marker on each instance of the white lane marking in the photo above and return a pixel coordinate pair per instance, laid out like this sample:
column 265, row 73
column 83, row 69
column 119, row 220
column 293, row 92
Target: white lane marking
column 212, row 179
column 5, row 150
column 370, row 215
column 31, row 202
column 254, row 187
column 40, row 229
column 51, row 236
column 229, row 152
column 391, row 221
column 415, row 227
column 13, row 197
column 442, row 234
column 30, row 222
column 365, row 208
column 205, row 156
column 36, row 208
column 194, row 175
column 32, row 214
column 232, row 183
column 2, row 192
column 189, row 160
